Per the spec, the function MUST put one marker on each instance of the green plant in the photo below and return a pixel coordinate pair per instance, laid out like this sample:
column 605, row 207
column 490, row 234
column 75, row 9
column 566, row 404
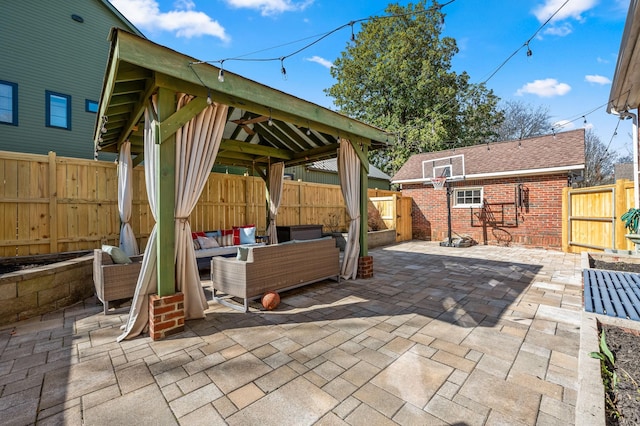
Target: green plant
column 609, row 375
column 631, row 220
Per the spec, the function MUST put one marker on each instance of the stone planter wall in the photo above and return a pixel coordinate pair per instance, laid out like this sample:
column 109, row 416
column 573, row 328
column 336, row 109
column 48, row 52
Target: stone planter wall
column 374, row 238
column 32, row 292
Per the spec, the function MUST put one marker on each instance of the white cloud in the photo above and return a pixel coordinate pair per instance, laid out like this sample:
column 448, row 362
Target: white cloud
column 597, row 79
column 319, row 60
column 572, row 9
column 602, row 60
column 563, row 125
column 270, row 7
column 183, row 21
column 546, row 88
column 561, row 30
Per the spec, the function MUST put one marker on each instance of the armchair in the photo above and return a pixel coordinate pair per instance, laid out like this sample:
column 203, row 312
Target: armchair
column 114, row 281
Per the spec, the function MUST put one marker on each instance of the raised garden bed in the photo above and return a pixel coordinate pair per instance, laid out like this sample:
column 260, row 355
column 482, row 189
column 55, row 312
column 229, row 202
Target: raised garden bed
column 622, row 403
column 35, row 285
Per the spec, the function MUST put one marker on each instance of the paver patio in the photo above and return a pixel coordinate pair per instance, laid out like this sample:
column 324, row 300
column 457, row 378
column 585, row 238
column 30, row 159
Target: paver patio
column 462, row 336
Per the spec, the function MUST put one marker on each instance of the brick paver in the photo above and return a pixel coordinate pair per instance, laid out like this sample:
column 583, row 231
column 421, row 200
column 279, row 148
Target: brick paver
column 478, row 336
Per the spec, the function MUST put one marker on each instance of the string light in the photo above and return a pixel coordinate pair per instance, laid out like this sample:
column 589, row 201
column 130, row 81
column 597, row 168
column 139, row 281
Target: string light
column 221, row 72
column 270, row 122
column 308, row 129
column 529, row 52
column 209, row 101
column 320, row 38
column 282, row 69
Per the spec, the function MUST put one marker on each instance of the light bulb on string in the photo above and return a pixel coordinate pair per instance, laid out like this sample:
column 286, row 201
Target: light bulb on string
column 353, row 37
column 529, row 52
column 270, row 122
column 308, row 129
column 221, row 72
column 209, row 100
column 282, row 69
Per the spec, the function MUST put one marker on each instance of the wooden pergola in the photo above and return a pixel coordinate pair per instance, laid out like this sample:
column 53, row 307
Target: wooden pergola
column 263, row 125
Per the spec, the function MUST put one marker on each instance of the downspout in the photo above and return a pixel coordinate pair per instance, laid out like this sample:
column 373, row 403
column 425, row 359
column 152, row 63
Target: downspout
column 634, row 134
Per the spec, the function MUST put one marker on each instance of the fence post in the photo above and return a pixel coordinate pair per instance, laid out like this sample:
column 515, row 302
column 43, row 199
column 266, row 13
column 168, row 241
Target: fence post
column 620, row 207
column 53, row 203
column 565, row 219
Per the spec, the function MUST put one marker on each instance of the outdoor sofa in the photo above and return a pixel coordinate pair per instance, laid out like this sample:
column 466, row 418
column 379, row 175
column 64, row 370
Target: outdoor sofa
column 257, row 270
column 222, row 243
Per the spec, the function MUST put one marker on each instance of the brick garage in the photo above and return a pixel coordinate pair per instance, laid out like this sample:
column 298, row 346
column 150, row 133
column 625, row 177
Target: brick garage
column 510, row 194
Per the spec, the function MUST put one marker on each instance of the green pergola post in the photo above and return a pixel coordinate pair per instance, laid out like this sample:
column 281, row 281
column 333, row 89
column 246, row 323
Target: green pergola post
column 165, row 176
column 364, row 200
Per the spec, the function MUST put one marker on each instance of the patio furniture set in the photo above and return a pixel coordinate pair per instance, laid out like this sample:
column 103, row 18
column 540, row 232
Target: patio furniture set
column 245, row 270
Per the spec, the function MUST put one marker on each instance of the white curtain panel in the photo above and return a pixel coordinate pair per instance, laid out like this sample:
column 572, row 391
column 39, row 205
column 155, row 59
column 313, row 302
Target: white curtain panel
column 128, row 241
column 148, row 278
column 197, row 144
column 276, row 178
column 349, row 172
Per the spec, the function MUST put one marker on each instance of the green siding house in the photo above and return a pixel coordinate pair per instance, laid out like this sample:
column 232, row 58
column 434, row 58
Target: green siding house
column 326, row 171
column 53, row 62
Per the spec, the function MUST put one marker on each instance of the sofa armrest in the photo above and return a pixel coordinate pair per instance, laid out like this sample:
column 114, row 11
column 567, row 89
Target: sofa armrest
column 119, row 280
column 229, row 276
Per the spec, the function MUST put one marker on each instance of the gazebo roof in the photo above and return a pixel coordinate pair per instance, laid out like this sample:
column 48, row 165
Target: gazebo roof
column 264, row 125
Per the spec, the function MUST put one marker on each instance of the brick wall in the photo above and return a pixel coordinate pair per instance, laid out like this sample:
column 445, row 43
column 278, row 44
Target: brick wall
column 539, row 221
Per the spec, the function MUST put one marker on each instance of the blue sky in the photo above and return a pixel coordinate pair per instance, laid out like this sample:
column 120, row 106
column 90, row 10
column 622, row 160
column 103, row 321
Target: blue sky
column 569, row 71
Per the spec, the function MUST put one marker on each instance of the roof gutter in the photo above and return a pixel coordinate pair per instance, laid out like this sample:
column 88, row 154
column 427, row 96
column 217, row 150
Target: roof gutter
column 530, row 172
column 634, row 133
column 623, row 96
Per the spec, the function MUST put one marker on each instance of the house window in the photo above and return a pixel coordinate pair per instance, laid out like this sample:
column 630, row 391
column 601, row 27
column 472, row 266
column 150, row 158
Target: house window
column 90, row 106
column 468, row 197
column 58, row 110
column 8, row 103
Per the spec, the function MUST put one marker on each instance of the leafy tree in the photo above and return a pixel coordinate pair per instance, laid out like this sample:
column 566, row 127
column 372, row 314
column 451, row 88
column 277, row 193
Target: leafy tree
column 397, row 75
column 599, row 162
column 522, row 121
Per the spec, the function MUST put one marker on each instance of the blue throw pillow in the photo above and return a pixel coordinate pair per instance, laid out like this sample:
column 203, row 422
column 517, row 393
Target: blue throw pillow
column 248, row 235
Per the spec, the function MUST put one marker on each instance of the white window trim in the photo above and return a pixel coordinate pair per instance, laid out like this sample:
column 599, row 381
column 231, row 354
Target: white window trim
column 466, row 206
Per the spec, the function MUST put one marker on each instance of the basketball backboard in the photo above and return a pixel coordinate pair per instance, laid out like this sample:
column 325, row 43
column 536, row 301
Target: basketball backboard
column 451, row 167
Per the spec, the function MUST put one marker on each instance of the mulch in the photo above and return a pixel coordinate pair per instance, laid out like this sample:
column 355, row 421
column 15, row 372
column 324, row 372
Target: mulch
column 624, row 343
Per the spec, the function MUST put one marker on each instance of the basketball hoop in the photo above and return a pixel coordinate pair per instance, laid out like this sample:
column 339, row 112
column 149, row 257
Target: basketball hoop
column 438, row 182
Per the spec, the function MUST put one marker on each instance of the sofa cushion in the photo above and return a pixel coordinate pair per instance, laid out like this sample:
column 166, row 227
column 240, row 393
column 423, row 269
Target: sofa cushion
column 227, row 237
column 117, row 255
column 206, row 242
column 243, row 253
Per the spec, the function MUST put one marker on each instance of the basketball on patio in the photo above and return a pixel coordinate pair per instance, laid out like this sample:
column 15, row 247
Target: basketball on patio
column 270, row 300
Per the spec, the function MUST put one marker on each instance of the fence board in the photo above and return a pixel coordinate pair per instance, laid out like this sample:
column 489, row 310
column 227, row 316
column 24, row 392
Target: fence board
column 52, row 204
column 591, row 217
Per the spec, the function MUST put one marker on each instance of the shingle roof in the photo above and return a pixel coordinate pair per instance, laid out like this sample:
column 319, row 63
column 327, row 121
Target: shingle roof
column 331, row 165
column 564, row 151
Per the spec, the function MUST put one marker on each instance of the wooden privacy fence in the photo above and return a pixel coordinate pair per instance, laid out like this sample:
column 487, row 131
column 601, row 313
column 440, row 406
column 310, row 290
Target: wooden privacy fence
column 52, row 204
column 591, row 217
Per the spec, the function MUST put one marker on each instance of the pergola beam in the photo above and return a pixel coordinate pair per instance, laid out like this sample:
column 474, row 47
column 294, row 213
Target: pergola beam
column 240, row 92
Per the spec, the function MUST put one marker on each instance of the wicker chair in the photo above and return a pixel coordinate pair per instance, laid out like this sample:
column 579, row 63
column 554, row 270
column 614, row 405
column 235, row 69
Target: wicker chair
column 114, row 281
